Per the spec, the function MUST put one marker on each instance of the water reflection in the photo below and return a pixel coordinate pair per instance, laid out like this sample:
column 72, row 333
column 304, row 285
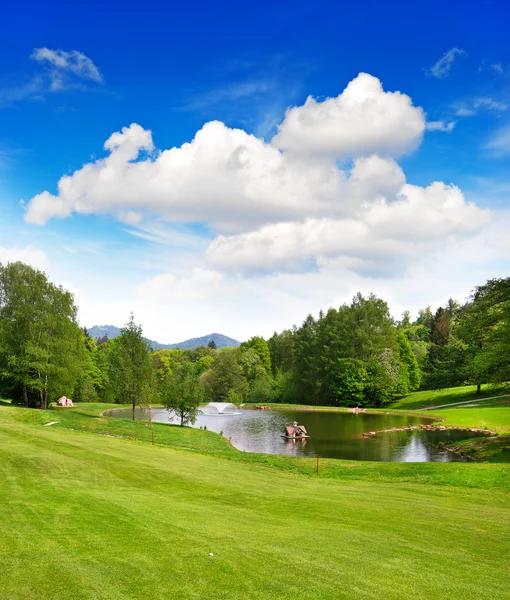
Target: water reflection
column 332, row 434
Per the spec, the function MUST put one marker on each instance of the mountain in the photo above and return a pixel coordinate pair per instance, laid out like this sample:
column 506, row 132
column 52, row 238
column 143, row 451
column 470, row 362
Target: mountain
column 221, row 341
column 98, row 331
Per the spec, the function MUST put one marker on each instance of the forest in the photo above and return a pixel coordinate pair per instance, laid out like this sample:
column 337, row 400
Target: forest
column 353, row 355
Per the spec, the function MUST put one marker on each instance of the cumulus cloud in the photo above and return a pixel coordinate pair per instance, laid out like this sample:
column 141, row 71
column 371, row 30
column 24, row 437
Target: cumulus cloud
column 362, row 120
column 286, row 205
column 386, row 236
column 62, row 63
column 224, row 177
column 29, row 255
column 440, row 126
column 443, row 66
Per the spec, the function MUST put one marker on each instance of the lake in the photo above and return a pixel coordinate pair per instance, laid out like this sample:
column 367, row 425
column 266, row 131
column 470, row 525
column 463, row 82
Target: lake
column 332, row 434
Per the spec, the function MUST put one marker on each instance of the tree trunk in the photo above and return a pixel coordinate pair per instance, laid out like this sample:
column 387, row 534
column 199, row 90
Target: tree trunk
column 182, row 419
column 134, row 405
column 478, row 388
column 25, row 395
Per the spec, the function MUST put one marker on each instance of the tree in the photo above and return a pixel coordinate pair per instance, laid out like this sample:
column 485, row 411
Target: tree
column 212, row 345
column 90, row 378
column 484, row 325
column 281, row 351
column 41, row 344
column 409, row 377
column 348, row 387
column 132, row 371
column 224, row 380
column 258, row 382
column 259, row 345
column 183, row 393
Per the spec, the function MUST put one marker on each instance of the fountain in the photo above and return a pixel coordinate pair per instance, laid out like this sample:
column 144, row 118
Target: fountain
column 220, row 408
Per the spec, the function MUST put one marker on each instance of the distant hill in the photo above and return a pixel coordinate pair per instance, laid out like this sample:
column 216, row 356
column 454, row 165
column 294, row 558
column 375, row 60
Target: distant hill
column 221, row 341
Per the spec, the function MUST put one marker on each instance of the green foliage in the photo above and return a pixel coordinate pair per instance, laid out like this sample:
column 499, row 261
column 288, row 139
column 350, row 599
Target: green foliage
column 484, row 324
column 349, row 386
column 130, row 366
column 260, row 347
column 182, row 392
column 224, row 377
column 281, row 351
column 348, row 356
column 409, row 376
column 42, row 349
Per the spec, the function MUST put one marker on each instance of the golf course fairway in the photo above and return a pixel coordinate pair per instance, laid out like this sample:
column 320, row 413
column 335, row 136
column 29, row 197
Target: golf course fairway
column 85, row 515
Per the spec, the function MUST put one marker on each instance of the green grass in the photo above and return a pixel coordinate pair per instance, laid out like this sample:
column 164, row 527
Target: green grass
column 85, row 514
column 431, row 398
column 496, row 418
column 493, row 449
column 86, row 418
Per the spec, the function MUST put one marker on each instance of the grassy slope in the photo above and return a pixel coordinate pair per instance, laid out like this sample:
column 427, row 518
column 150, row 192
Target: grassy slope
column 486, row 413
column 429, row 398
column 86, row 418
column 90, row 516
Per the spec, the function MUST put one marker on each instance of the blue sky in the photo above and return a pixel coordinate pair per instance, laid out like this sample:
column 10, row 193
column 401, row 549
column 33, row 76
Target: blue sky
column 268, row 214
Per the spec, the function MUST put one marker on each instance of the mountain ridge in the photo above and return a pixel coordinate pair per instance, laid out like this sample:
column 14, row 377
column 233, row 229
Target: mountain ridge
column 221, row 341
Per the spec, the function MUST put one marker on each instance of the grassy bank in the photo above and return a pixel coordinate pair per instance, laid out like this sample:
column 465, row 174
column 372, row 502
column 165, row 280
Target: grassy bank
column 87, row 418
column 432, row 398
column 86, row 514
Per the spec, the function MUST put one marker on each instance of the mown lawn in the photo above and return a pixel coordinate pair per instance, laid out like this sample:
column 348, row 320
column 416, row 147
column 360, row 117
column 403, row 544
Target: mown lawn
column 86, row 515
column 494, row 418
column 432, row 398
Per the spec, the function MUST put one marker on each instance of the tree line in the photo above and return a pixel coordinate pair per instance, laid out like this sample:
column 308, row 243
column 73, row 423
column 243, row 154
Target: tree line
column 356, row 354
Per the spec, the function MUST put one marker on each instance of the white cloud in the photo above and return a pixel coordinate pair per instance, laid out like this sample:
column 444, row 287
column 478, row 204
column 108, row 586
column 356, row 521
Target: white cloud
column 440, row 126
column 494, row 67
column 62, row 63
column 252, row 236
column 259, row 305
column 29, row 255
column 224, row 177
column 491, row 104
column 474, row 106
column 443, row 66
column 384, row 237
column 362, row 120
column 462, row 110
column 58, row 71
column 196, row 285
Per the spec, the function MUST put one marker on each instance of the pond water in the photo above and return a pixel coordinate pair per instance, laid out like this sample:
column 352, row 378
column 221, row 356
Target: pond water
column 332, row 434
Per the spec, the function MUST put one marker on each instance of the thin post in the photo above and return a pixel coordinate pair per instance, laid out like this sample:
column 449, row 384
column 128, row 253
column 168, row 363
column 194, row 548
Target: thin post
column 317, row 465
column 153, row 437
column 150, row 415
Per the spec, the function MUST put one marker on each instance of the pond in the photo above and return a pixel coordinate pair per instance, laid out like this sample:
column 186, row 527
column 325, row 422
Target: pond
column 332, row 434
